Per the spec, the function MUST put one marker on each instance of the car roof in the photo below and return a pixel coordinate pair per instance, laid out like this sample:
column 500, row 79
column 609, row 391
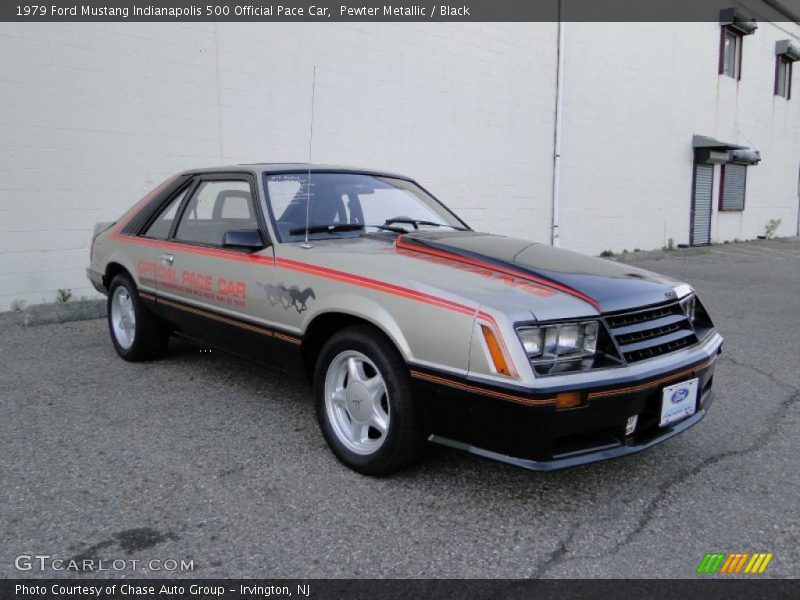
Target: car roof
column 293, row 168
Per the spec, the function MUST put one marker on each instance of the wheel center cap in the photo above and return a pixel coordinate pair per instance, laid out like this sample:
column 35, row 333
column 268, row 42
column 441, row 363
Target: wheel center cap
column 358, row 404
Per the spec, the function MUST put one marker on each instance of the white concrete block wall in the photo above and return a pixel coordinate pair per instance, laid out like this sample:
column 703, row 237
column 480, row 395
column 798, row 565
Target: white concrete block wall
column 459, row 107
column 754, row 116
column 95, row 115
column 634, row 96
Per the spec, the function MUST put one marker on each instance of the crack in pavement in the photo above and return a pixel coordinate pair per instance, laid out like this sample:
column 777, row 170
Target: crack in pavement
column 765, row 373
column 556, row 556
column 648, row 514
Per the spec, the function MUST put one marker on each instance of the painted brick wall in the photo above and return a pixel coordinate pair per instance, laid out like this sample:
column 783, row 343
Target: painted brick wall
column 96, row 115
column 634, row 96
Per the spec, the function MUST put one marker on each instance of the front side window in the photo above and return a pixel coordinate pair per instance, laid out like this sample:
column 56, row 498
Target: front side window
column 216, row 208
column 731, row 53
column 783, row 77
column 351, row 204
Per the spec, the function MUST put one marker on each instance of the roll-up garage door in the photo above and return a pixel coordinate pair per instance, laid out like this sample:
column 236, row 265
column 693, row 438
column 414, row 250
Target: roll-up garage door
column 700, row 234
column 734, row 179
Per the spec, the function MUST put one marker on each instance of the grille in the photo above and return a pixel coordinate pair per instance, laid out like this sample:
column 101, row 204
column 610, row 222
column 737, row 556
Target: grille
column 651, row 332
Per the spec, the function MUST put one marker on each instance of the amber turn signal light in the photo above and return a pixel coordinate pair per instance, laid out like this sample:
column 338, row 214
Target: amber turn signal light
column 494, row 350
column 569, row 400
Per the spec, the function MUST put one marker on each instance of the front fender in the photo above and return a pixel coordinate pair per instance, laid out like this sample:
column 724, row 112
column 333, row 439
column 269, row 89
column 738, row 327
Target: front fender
column 363, row 308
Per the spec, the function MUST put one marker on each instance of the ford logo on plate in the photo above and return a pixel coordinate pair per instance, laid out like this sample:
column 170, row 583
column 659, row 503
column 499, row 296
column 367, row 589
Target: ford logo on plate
column 679, row 396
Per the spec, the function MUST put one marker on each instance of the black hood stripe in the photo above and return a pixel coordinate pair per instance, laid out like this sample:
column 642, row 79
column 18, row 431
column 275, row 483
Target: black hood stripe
column 478, row 260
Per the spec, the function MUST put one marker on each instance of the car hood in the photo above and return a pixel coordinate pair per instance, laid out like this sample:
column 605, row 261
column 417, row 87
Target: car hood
column 607, row 285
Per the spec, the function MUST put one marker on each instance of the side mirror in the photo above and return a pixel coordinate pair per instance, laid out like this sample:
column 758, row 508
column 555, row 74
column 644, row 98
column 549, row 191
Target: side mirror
column 245, row 239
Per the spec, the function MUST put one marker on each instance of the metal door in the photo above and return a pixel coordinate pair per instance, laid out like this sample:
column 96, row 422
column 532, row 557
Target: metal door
column 700, row 232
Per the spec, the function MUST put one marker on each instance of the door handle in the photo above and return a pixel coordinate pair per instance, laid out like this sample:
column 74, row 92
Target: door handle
column 167, row 259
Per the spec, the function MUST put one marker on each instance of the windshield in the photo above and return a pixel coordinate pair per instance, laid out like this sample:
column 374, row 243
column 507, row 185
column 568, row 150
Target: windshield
column 351, row 204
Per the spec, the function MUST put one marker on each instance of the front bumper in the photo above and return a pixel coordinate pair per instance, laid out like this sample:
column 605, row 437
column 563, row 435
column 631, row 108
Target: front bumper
column 544, row 438
column 615, row 447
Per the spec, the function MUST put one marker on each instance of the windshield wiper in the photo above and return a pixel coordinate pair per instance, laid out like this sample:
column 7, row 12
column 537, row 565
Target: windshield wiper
column 326, row 228
column 389, row 228
column 416, row 223
column 342, row 227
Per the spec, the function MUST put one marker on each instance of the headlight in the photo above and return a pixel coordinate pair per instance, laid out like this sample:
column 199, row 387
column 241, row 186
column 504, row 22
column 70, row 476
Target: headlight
column 561, row 342
column 559, row 348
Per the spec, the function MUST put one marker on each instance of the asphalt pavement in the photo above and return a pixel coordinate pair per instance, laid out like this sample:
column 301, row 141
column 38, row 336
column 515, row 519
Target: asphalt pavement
column 206, row 458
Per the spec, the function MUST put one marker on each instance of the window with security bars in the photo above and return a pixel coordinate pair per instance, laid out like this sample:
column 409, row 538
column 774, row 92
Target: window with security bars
column 732, row 187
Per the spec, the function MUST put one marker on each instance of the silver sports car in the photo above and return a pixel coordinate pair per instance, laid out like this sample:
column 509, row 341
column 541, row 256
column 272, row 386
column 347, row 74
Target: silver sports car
column 412, row 327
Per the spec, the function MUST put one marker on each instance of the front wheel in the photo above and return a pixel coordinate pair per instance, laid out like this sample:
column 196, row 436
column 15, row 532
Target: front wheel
column 136, row 332
column 364, row 403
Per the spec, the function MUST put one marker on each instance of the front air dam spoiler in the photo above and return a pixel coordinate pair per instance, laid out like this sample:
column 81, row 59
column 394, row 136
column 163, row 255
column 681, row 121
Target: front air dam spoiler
column 605, row 452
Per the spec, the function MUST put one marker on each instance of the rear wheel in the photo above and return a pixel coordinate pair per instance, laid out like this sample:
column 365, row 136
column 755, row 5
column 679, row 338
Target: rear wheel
column 136, row 332
column 364, row 403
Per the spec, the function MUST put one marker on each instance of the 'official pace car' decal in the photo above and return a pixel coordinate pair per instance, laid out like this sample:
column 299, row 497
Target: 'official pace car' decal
column 202, row 285
column 288, row 298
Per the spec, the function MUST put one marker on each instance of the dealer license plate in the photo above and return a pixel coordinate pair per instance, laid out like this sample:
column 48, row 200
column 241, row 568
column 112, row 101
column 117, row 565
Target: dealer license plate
column 678, row 401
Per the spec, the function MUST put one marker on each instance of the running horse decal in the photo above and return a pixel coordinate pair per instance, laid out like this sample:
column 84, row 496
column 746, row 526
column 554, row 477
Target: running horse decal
column 288, row 298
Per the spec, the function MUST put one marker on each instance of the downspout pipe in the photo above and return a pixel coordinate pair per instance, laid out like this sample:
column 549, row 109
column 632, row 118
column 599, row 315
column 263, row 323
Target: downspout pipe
column 556, row 204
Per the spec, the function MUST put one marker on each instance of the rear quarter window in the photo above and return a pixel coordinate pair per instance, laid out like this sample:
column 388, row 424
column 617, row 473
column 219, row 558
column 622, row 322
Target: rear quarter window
column 161, row 227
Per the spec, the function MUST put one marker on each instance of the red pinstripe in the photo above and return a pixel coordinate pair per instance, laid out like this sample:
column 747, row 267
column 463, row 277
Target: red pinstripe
column 483, row 391
column 327, row 273
column 214, row 252
column 390, row 288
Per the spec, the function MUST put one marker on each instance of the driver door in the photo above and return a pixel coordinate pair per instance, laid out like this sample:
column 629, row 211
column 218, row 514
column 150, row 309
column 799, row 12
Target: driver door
column 211, row 289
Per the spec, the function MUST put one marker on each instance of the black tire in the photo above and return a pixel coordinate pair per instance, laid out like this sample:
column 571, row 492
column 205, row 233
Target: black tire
column 405, row 442
column 151, row 334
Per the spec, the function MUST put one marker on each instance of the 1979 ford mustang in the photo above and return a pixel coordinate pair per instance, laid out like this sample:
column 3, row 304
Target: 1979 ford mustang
column 413, row 327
